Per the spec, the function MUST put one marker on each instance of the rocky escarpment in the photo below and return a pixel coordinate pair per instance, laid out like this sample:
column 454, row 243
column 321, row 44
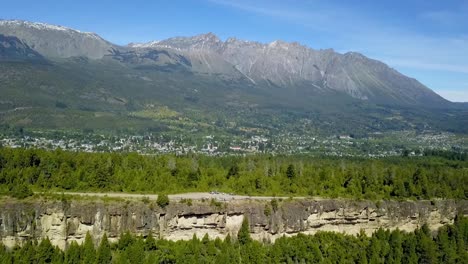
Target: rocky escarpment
column 66, row 221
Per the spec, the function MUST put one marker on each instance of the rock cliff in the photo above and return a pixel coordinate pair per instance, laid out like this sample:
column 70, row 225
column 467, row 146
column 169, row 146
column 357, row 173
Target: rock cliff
column 66, row 221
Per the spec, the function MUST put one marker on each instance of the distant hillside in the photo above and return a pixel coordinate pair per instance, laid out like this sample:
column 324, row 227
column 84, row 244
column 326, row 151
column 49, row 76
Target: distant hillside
column 57, row 77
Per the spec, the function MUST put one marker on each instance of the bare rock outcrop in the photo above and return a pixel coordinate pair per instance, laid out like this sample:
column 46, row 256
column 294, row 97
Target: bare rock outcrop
column 66, row 221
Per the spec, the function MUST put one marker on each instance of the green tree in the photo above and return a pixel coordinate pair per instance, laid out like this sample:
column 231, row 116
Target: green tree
column 136, row 252
column 426, row 248
column 126, row 240
column 150, row 243
column 45, row 251
column 104, row 253
column 409, row 250
column 291, row 172
column 27, row 254
column 5, row 256
column 244, row 232
column 89, row 252
column 73, row 254
column 233, row 171
column 396, row 250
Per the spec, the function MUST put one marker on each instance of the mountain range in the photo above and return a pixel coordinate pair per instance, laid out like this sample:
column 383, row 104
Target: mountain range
column 64, row 78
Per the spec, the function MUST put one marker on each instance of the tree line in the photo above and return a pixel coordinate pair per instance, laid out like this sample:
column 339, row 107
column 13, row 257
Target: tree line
column 25, row 170
column 449, row 245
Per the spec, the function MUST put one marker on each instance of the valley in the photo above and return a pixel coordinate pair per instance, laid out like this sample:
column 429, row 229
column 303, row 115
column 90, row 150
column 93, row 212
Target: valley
column 209, row 149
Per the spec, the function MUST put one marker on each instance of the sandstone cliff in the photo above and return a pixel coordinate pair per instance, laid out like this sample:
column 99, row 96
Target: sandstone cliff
column 66, row 221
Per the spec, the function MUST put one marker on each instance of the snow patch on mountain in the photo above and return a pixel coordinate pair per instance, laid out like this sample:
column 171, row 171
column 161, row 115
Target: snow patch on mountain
column 44, row 26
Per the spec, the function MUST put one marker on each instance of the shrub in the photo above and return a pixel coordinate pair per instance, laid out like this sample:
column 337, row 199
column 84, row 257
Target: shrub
column 145, row 199
column 267, row 210
column 20, row 191
column 274, row 205
column 163, row 200
column 188, row 202
column 215, row 203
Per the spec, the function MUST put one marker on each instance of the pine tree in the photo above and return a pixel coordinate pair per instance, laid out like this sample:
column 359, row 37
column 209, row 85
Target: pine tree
column 136, row 252
column 290, row 172
column 5, row 256
column 150, row 242
column 448, row 253
column 73, row 254
column 27, row 254
column 45, row 251
column 244, row 233
column 89, row 252
column 104, row 253
column 426, row 248
column 409, row 250
column 126, row 240
column 396, row 250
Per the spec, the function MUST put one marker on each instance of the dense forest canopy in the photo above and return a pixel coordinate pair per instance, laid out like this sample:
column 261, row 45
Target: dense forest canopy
column 449, row 245
column 431, row 176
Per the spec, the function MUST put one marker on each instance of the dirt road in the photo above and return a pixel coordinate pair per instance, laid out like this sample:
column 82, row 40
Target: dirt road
column 176, row 197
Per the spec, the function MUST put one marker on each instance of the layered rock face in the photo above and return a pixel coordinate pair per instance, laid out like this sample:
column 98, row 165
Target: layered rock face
column 66, row 221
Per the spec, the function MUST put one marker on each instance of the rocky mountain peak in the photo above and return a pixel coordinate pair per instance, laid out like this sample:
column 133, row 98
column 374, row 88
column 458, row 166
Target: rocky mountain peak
column 210, row 36
column 44, row 27
column 279, row 63
column 207, row 41
column 56, row 41
column 143, row 45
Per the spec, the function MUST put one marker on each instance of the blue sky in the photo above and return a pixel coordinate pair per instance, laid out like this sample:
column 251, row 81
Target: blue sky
column 427, row 40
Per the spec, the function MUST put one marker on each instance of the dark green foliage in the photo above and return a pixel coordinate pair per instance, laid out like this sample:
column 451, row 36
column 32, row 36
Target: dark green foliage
column 449, row 245
column 27, row 254
column 233, row 171
column 46, row 253
column 20, row 191
column 290, row 172
column 23, row 170
column 150, row 242
column 452, row 155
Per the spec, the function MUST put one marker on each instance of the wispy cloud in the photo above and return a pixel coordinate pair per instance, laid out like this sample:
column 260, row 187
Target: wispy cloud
column 262, row 10
column 355, row 31
column 309, row 19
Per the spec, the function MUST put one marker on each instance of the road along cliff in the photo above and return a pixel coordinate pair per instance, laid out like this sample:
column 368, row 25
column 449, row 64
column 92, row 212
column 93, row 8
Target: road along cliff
column 67, row 220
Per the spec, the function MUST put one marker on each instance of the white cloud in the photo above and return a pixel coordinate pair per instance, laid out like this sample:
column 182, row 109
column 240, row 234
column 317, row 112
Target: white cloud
column 454, row 95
